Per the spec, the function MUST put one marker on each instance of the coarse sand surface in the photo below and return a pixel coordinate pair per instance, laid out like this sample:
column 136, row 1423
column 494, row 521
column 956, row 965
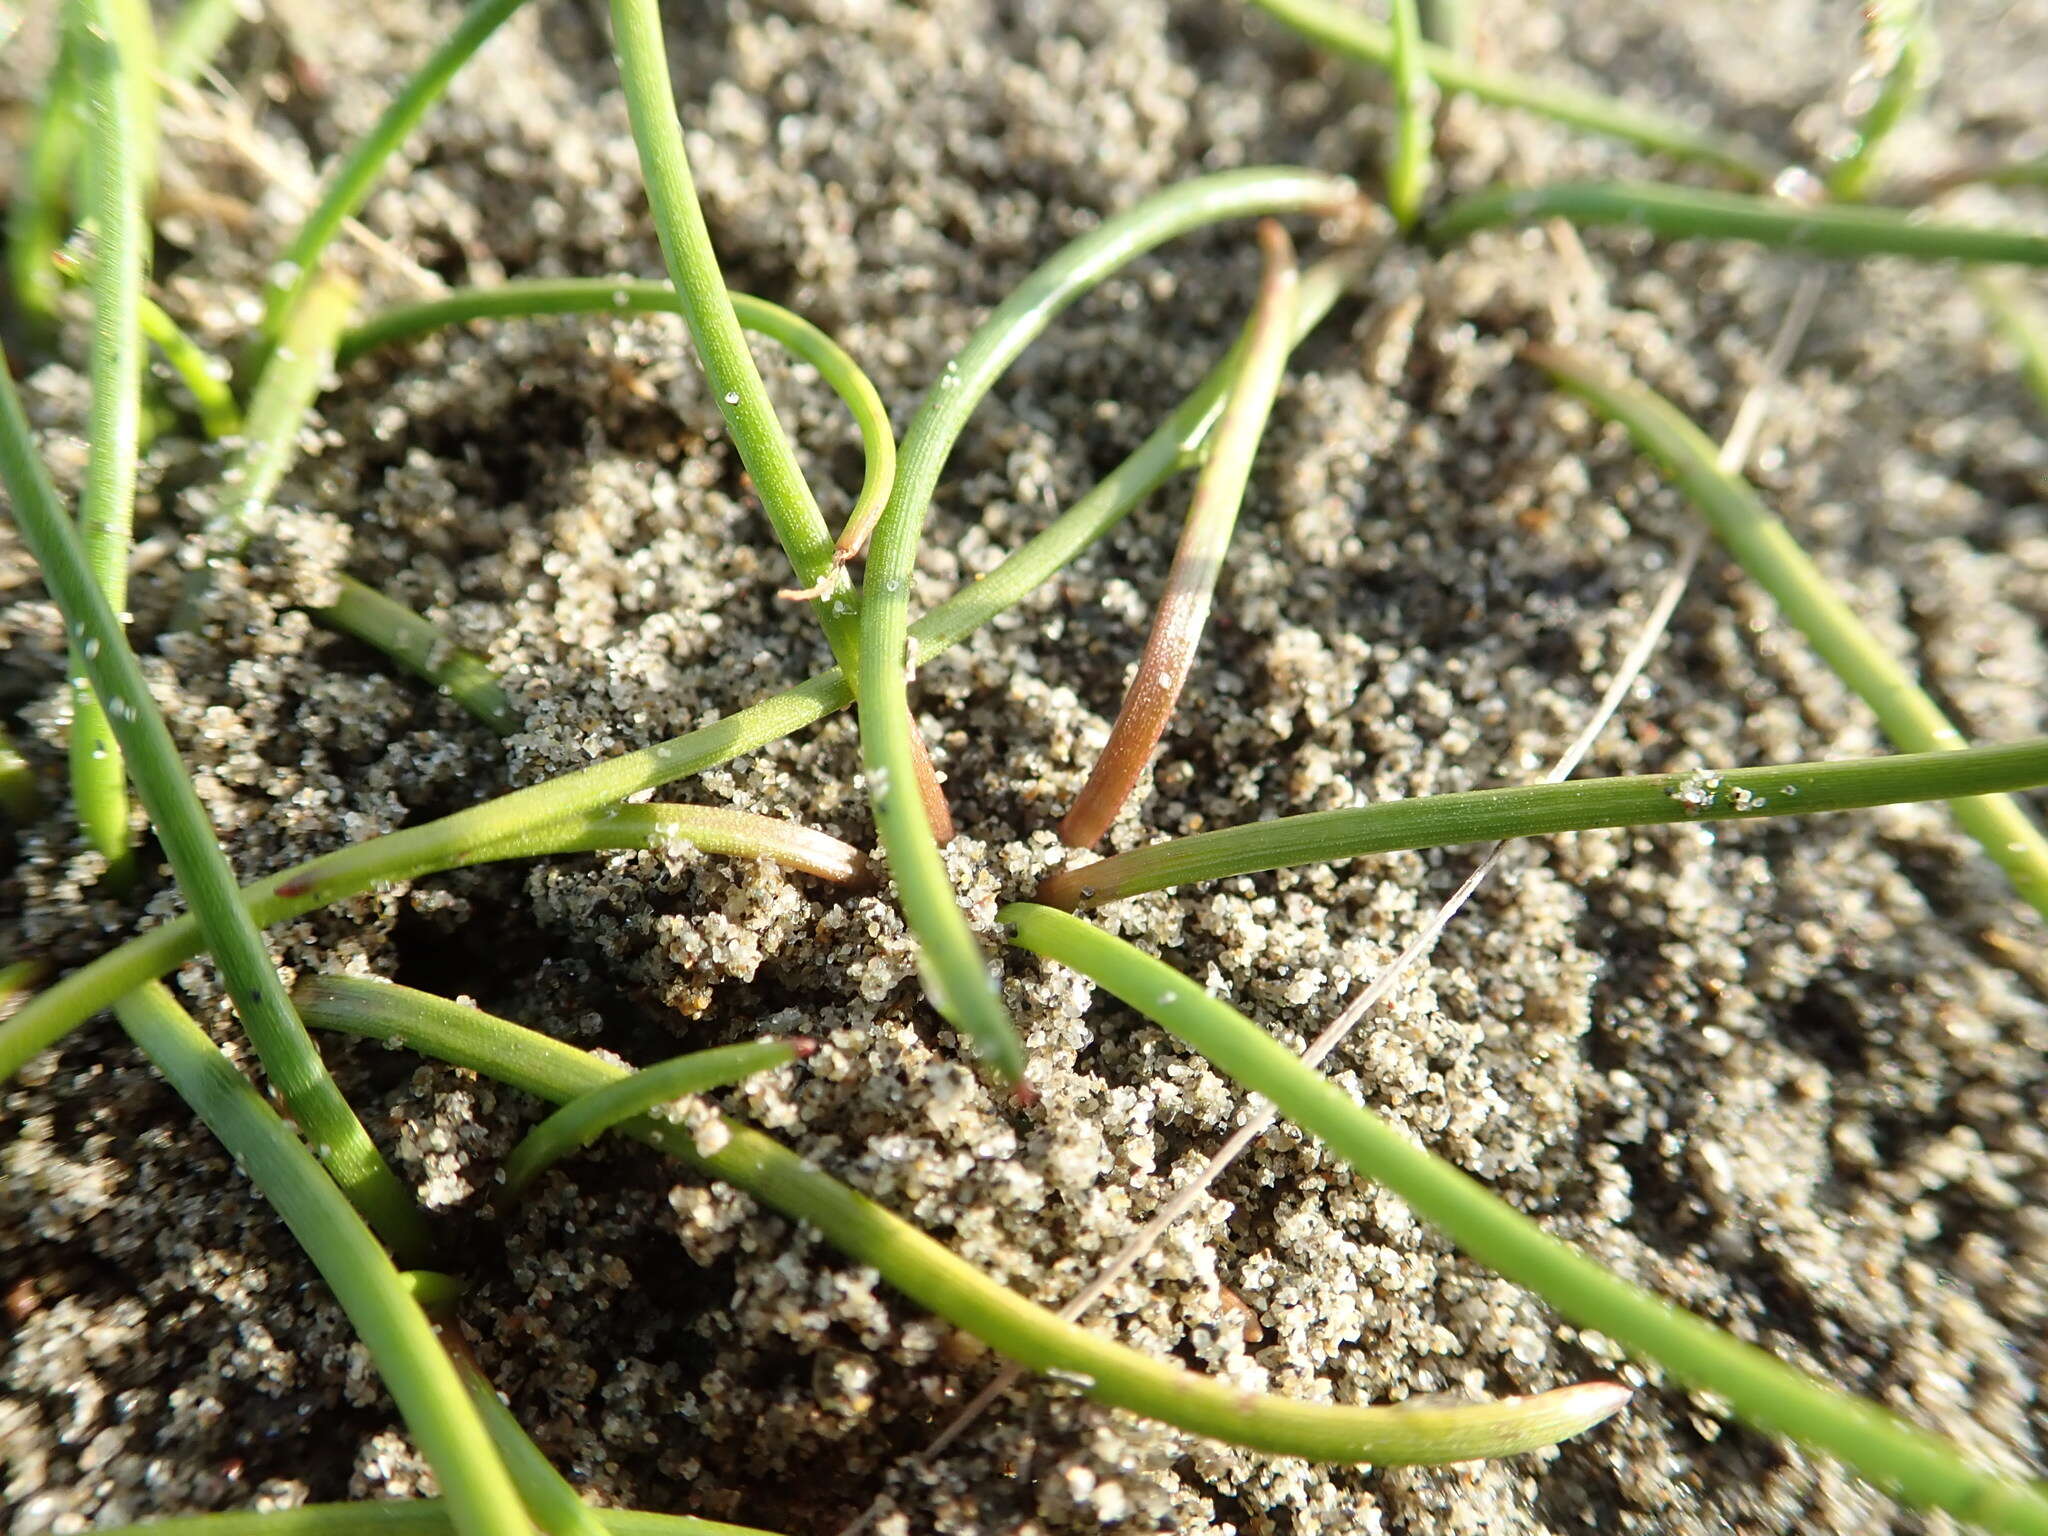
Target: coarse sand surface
column 1789, row 1074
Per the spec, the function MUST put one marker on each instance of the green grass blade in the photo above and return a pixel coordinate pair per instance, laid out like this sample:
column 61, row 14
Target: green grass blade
column 1900, row 50
column 588, row 1116
column 203, row 873
column 204, row 378
column 708, row 311
column 587, row 296
column 481, row 1500
column 115, row 53
column 1765, row 548
column 715, row 829
column 1682, row 213
column 935, row 1277
column 1538, row 810
column 556, row 1508
column 1414, row 102
column 35, row 217
column 349, row 187
column 201, row 373
column 956, row 972
column 293, row 375
column 452, row 840
column 417, row 645
column 1765, row 1393
column 1345, row 31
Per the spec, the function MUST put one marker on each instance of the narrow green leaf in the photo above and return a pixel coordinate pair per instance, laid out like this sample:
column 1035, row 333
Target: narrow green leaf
column 1765, row 1393
column 1682, row 213
column 1766, row 549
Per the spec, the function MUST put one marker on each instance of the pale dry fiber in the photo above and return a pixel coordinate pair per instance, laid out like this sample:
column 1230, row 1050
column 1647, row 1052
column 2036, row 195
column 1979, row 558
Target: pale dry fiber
column 1778, row 1072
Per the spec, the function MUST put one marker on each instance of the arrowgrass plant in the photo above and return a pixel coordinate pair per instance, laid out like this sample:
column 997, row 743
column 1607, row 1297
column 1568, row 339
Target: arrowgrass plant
column 319, row 1169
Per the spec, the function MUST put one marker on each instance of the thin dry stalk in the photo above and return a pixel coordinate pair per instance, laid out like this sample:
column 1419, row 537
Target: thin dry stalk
column 1212, row 514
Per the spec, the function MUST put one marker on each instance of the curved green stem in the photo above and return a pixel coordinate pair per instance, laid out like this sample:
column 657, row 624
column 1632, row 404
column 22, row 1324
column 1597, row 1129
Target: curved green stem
column 202, row 870
column 115, row 51
column 593, row 295
column 1764, row 1392
column 708, row 311
column 429, row 1393
column 417, row 645
column 1681, row 213
column 1537, row 810
column 1344, row 30
column 1765, row 548
column 1414, row 102
column 588, row 1116
column 956, row 973
column 935, row 1277
column 349, row 186
column 201, row 374
column 562, row 807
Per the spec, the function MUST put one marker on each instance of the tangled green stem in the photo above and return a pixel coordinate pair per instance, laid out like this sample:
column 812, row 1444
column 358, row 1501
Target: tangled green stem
column 935, row 1277
column 481, row 1500
column 563, row 808
column 955, row 970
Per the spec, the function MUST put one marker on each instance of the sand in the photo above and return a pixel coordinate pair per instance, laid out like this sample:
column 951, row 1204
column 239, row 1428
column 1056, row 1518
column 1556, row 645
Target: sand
column 1789, row 1075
